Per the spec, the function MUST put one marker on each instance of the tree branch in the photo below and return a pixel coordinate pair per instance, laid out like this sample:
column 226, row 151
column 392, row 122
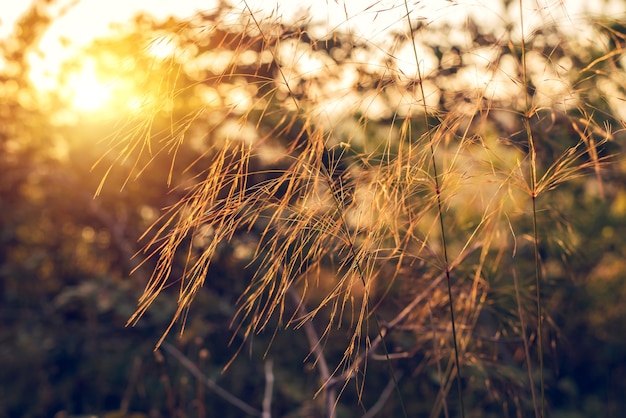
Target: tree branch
column 208, row 382
column 269, row 385
column 375, row 409
column 330, row 394
column 349, row 373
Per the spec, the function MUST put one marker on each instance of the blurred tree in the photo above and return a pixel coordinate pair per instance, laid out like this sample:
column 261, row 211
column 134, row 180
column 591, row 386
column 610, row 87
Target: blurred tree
column 306, row 204
column 287, row 183
column 64, row 257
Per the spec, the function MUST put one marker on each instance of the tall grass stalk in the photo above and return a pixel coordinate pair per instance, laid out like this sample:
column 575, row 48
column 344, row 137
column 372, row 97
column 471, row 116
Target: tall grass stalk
column 439, row 213
column 529, row 367
column 532, row 167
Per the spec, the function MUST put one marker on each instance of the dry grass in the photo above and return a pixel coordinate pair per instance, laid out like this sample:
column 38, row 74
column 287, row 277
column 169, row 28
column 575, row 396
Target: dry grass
column 396, row 192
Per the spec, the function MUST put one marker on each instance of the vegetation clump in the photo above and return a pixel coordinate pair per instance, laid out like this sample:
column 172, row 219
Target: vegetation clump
column 427, row 215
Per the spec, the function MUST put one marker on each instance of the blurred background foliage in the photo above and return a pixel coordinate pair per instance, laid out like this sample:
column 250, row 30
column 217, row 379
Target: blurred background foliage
column 66, row 257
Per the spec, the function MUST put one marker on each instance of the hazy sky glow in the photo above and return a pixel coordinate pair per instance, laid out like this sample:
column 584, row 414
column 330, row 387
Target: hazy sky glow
column 91, row 18
column 372, row 21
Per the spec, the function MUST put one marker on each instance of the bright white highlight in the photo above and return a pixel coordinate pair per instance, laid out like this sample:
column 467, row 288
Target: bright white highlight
column 88, row 92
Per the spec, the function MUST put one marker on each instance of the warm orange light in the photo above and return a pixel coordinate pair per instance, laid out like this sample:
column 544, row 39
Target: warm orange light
column 162, row 48
column 88, row 92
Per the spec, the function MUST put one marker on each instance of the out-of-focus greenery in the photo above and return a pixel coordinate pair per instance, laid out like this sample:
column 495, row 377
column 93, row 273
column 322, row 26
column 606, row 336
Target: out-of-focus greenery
column 65, row 258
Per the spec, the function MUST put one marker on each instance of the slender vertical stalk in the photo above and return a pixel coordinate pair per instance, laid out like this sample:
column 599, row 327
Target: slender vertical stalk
column 539, row 308
column 440, row 212
column 533, row 193
column 526, row 350
column 439, row 371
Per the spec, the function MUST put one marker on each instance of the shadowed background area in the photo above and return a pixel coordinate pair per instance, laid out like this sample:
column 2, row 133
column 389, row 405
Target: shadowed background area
column 267, row 184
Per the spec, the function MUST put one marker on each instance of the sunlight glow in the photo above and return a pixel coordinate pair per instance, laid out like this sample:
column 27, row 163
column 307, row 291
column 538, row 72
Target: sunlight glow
column 88, row 92
column 162, row 48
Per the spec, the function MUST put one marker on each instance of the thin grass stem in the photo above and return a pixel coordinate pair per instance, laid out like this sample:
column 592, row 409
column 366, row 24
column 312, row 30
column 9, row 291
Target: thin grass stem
column 440, row 213
column 533, row 192
column 526, row 349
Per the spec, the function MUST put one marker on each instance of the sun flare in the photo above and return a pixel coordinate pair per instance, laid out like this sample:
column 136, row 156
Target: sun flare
column 87, row 90
column 89, row 93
